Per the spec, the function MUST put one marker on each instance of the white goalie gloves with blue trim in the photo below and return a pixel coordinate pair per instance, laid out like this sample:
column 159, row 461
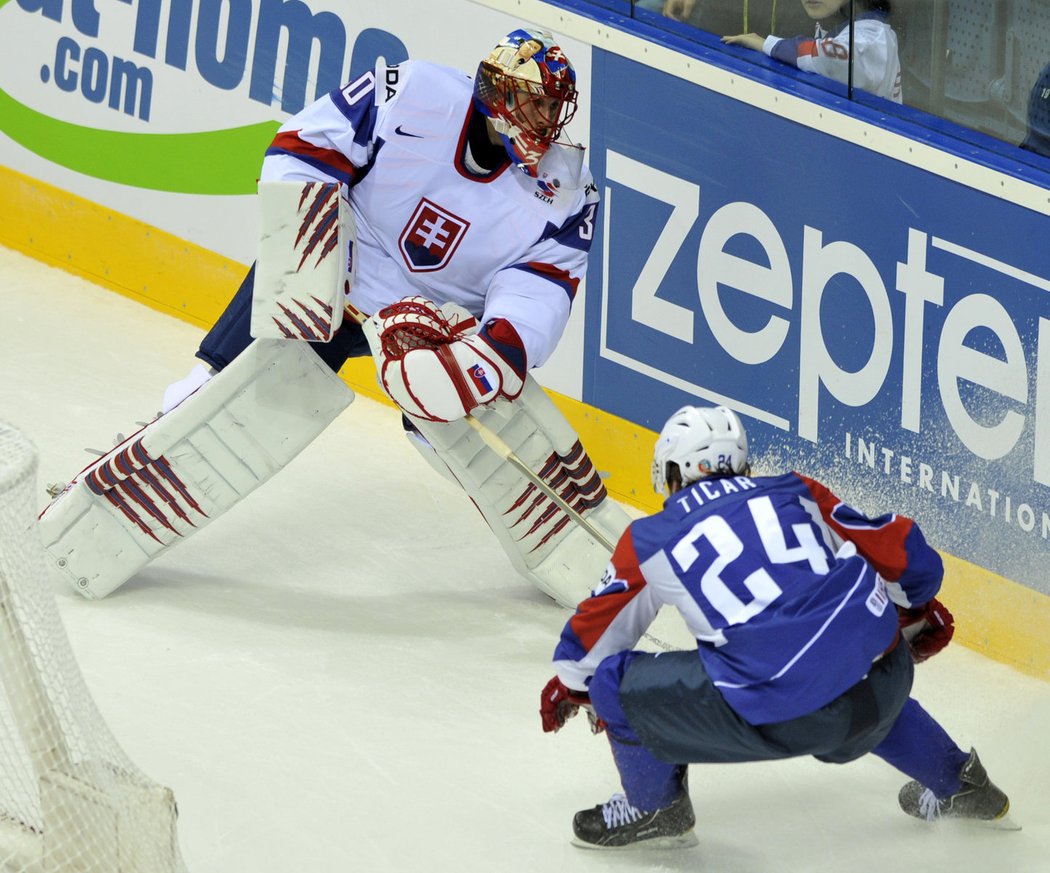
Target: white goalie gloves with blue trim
column 433, row 363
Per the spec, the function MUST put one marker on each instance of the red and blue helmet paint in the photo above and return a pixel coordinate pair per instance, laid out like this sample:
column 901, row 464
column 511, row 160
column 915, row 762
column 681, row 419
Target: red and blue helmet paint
column 527, row 87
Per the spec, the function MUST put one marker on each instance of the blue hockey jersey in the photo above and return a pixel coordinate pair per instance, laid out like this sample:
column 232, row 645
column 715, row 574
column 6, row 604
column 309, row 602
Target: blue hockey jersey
column 788, row 591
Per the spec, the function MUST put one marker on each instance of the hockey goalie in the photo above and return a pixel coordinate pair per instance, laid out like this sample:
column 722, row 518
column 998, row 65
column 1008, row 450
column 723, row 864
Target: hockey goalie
column 452, row 219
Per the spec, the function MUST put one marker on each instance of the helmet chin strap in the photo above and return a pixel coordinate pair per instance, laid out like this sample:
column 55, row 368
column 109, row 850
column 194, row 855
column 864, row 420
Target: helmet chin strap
column 505, row 133
column 514, row 148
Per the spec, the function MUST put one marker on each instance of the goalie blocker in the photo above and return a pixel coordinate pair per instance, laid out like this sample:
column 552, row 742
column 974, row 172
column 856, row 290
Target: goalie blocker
column 301, row 272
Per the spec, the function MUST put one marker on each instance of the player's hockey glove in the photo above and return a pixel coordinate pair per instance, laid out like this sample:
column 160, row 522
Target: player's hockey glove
column 434, row 368
column 558, row 704
column 927, row 629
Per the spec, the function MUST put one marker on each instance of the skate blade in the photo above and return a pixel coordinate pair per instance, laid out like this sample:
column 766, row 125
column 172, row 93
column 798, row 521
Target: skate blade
column 1005, row 822
column 681, row 841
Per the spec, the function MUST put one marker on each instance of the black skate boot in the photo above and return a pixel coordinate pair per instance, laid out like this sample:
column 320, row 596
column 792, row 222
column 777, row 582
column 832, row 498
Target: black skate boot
column 978, row 799
column 618, row 825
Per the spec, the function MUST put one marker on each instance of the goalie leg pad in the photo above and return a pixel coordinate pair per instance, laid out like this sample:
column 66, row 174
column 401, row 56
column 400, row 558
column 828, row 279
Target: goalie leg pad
column 545, row 545
column 189, row 466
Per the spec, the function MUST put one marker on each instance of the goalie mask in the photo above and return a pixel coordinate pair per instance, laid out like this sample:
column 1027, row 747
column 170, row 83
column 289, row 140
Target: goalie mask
column 527, row 87
column 699, row 441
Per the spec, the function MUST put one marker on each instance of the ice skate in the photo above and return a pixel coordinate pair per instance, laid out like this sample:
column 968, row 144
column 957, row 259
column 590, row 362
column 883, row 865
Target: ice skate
column 978, row 799
column 618, row 825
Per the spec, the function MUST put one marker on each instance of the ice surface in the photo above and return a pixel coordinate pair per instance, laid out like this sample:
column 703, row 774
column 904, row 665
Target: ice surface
column 343, row 673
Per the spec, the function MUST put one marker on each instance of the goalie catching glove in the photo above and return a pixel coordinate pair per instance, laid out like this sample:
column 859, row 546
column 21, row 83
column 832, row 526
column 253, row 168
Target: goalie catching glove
column 434, row 367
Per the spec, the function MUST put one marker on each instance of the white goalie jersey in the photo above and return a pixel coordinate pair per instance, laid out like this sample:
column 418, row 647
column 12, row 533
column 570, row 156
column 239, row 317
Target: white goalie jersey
column 396, row 140
column 430, row 220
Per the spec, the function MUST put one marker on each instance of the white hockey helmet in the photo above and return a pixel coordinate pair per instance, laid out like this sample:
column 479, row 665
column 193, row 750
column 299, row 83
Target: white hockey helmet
column 700, row 441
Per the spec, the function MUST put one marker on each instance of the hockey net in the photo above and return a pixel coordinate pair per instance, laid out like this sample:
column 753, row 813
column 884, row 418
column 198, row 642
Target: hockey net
column 70, row 799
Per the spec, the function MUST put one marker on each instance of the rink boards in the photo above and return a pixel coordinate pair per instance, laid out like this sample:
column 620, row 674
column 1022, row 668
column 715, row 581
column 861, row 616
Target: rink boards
column 869, row 298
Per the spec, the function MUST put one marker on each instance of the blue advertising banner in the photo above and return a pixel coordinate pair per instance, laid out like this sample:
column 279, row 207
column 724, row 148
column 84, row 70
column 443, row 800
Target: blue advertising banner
column 880, row 327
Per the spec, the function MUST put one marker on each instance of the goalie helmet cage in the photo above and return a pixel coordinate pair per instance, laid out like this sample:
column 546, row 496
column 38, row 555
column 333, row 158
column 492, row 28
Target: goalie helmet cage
column 70, row 799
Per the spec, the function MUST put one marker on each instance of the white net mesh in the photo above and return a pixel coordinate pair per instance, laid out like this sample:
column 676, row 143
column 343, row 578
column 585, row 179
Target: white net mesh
column 70, row 800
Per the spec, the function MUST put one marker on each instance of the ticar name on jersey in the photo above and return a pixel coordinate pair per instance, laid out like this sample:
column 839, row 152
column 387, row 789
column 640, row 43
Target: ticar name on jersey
column 706, row 490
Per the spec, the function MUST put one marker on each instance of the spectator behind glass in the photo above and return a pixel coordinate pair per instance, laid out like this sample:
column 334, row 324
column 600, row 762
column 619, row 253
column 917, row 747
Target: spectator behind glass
column 731, row 16
column 876, row 63
column 1038, row 139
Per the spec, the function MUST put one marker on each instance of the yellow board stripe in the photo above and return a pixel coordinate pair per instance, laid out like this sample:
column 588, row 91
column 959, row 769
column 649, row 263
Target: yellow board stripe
column 113, row 250
column 995, row 616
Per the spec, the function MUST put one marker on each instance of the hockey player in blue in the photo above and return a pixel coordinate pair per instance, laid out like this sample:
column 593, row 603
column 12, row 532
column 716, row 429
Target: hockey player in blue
column 797, row 602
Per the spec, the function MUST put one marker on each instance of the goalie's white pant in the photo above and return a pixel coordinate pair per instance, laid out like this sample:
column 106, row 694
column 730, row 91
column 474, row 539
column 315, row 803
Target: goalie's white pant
column 545, row 545
column 190, row 465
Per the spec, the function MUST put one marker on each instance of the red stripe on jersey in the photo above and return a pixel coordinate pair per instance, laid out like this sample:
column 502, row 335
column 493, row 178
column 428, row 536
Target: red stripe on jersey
column 557, row 275
column 595, row 614
column 884, row 547
column 807, row 48
column 289, row 141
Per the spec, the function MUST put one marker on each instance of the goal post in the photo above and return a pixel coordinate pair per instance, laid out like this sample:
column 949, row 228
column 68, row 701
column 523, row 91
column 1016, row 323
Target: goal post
column 70, row 799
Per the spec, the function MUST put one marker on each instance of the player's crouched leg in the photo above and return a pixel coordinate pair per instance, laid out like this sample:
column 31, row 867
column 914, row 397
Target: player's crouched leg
column 655, row 811
column 867, row 712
